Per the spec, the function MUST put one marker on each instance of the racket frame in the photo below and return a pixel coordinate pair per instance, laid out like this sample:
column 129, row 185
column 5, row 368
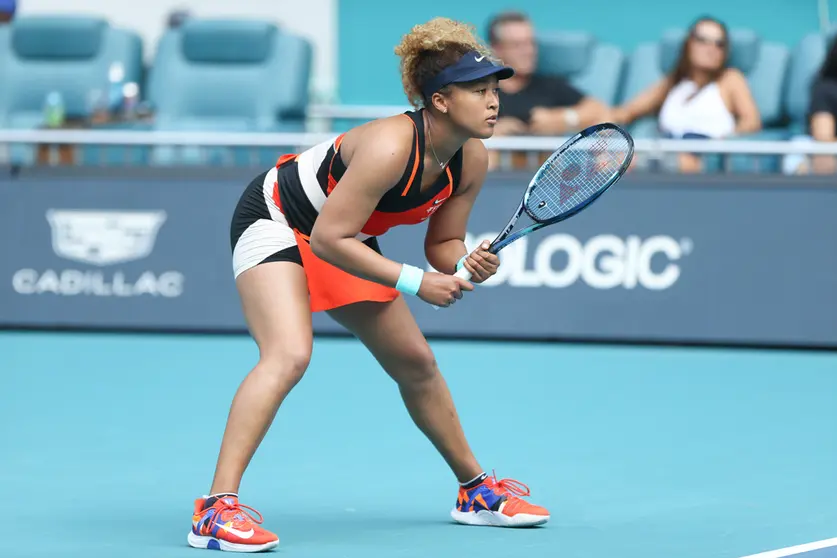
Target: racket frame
column 506, row 237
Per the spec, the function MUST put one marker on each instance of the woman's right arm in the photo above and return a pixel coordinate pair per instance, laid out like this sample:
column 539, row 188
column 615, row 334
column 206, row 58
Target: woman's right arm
column 822, row 126
column 823, row 108
column 645, row 103
column 378, row 160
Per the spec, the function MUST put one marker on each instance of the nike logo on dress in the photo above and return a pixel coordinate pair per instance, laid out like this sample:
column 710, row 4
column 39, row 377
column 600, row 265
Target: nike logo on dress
column 479, row 58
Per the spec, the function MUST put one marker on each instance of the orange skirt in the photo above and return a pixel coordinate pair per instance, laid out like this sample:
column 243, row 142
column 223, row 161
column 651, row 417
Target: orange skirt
column 329, row 286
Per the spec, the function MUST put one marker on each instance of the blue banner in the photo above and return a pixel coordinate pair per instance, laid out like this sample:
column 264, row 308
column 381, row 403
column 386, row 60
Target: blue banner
column 658, row 258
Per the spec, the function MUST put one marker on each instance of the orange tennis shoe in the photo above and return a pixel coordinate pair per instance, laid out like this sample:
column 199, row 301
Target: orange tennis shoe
column 226, row 526
column 497, row 503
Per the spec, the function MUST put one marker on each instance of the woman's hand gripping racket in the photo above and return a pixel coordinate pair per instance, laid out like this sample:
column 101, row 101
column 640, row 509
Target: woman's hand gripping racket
column 571, row 179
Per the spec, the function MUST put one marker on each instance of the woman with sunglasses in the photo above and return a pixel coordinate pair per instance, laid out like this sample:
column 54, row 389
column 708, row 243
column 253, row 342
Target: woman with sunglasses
column 702, row 97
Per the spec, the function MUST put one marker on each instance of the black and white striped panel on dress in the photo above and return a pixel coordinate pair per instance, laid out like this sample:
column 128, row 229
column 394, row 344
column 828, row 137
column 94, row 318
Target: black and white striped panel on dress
column 259, row 231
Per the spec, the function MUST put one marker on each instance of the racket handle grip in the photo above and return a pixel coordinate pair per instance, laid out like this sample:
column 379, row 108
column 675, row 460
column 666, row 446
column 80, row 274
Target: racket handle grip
column 462, row 274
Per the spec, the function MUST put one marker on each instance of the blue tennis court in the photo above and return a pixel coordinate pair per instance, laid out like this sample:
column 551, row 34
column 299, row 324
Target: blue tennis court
column 637, row 452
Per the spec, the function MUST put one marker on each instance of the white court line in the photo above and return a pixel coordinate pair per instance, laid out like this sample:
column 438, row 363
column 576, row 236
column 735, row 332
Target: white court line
column 793, row 550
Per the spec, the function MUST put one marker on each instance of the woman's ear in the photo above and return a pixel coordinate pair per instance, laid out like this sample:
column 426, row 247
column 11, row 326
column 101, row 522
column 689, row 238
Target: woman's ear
column 440, row 101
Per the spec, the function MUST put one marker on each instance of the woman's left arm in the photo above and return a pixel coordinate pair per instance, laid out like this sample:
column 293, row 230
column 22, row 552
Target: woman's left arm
column 444, row 243
column 748, row 119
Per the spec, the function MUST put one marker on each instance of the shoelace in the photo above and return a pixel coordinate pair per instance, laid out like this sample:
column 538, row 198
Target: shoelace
column 241, row 515
column 510, row 486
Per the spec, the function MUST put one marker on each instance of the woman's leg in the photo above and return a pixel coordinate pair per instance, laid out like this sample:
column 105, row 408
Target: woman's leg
column 689, row 163
column 274, row 298
column 389, row 331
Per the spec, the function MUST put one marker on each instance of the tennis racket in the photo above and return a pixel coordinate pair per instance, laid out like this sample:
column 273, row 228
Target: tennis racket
column 571, row 179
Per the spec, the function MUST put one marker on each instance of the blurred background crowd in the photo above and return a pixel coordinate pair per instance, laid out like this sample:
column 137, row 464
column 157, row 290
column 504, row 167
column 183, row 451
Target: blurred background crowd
column 256, row 67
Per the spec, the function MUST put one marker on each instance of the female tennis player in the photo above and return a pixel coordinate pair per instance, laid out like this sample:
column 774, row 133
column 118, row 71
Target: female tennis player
column 304, row 240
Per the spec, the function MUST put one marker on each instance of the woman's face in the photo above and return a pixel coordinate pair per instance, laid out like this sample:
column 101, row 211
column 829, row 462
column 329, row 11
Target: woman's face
column 707, row 46
column 473, row 106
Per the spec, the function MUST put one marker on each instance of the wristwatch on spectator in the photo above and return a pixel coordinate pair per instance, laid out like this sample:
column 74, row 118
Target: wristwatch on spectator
column 571, row 118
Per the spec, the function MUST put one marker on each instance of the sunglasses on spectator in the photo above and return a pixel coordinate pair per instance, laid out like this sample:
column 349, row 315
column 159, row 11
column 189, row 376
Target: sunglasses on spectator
column 704, row 40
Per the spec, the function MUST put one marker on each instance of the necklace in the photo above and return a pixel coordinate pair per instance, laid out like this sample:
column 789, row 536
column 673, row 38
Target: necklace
column 433, row 149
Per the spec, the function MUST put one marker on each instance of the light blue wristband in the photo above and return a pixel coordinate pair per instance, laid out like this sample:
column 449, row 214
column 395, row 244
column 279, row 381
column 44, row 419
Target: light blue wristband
column 409, row 280
column 461, row 262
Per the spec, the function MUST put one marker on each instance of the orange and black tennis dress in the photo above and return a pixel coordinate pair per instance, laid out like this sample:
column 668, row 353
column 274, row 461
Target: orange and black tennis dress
column 277, row 211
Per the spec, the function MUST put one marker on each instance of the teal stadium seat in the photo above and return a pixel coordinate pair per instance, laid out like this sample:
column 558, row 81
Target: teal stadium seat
column 594, row 68
column 805, row 61
column 68, row 54
column 764, row 64
column 232, row 76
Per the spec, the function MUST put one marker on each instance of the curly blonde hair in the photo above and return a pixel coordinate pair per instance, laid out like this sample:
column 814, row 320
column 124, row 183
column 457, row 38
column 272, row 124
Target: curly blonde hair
column 431, row 47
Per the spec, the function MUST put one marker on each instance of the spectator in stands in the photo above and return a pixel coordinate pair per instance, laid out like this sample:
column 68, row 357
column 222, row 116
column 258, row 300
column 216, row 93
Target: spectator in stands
column 823, row 110
column 178, row 17
column 7, row 10
column 532, row 103
column 702, row 97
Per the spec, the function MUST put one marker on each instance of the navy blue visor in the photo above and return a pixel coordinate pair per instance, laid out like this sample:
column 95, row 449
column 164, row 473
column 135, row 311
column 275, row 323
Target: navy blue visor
column 472, row 66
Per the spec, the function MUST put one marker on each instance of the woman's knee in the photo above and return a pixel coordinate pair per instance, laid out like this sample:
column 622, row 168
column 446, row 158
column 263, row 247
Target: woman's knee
column 286, row 364
column 415, row 365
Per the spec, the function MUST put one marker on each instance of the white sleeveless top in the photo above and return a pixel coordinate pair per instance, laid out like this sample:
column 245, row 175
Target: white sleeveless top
column 705, row 113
